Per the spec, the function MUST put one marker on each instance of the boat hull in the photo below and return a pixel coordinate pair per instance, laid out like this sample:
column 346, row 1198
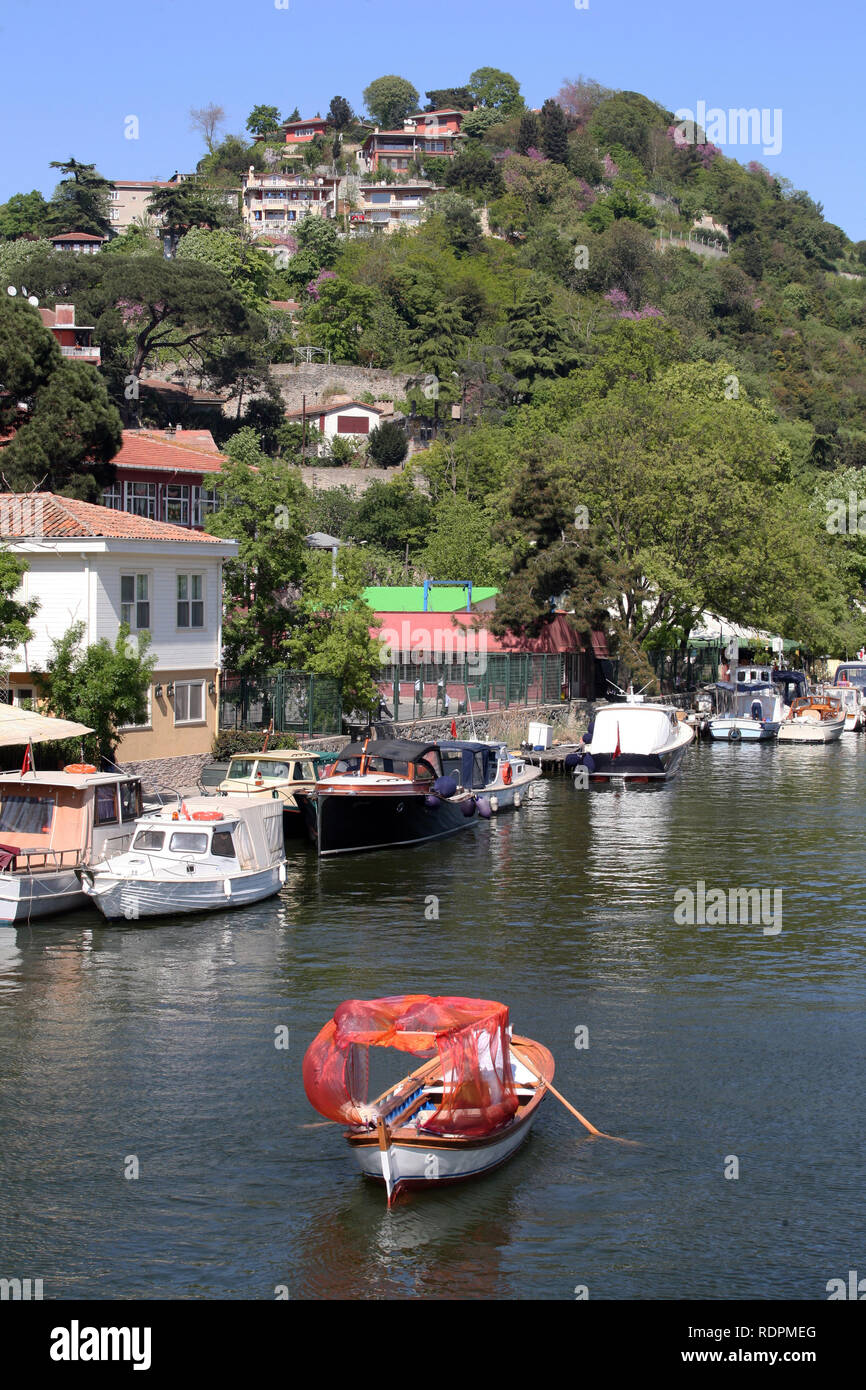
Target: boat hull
column 633, row 766
column 429, row 1163
column 134, row 898
column 802, row 731
column 511, row 797
column 346, row 823
column 26, row 897
column 744, row 730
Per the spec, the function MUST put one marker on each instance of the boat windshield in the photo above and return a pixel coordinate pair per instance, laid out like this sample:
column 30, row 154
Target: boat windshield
column 373, row 765
column 149, row 839
column 851, row 675
column 240, row 769
column 29, row 815
column 188, row 842
column 273, row 771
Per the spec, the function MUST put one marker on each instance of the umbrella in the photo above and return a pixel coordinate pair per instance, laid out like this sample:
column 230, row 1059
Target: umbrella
column 23, row 726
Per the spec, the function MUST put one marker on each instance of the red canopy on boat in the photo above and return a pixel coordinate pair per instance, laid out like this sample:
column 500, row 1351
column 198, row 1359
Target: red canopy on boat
column 470, row 1036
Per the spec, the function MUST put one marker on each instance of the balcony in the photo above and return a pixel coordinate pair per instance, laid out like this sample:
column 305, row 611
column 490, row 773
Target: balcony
column 94, row 353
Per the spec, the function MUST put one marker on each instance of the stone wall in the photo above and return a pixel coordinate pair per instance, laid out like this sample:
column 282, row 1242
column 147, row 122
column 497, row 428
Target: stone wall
column 356, row 479
column 313, row 379
column 487, row 725
column 169, row 774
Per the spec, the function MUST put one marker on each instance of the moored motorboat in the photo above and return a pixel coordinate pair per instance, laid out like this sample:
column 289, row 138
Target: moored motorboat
column 53, row 824
column 813, row 719
column 853, row 701
column 462, row 1113
column 384, row 793
column 289, row 774
column 636, row 741
column 193, row 858
column 748, row 712
column 489, row 769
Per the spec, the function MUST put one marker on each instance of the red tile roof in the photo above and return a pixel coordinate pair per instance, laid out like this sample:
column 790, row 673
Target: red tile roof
column 335, row 403
column 77, row 236
column 68, row 517
column 190, row 451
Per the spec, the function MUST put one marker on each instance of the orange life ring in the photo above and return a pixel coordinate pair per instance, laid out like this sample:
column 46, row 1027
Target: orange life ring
column 506, row 774
column 207, row 815
column 79, row 767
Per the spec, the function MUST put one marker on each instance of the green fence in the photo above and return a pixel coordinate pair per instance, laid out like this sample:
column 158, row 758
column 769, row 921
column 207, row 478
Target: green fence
column 423, row 691
column 295, row 701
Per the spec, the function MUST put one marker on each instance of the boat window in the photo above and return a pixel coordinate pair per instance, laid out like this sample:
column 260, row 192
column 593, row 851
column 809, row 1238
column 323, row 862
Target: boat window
column 303, row 772
column 478, row 776
column 106, row 804
column 240, row 769
column 452, row 765
column 222, row 844
column 279, row 772
column 32, row 815
column 424, row 772
column 188, row 842
column 149, row 839
column 130, row 800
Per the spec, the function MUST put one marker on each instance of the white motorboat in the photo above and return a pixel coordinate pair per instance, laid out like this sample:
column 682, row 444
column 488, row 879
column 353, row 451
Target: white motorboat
column 193, row 858
column 52, row 824
column 489, row 769
column 813, row 719
column 748, row 712
column 852, row 698
column 636, row 741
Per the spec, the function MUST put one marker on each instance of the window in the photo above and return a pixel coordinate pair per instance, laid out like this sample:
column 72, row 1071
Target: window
column 130, row 800
column 141, row 499
column 353, row 424
column 177, row 504
column 113, row 497
column 30, row 815
column 106, row 805
column 135, row 601
column 190, row 600
column 222, row 845
column 189, row 842
column 240, row 769
column 205, row 501
column 23, row 696
column 149, row 839
column 146, row 722
column 189, row 702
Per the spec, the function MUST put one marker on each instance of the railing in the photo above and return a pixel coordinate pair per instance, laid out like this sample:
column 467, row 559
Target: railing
column 295, row 701
column 80, row 351
column 503, row 681
column 50, row 859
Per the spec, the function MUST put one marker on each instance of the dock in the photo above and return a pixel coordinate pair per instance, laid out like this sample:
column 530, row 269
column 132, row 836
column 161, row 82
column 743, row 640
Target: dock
column 551, row 760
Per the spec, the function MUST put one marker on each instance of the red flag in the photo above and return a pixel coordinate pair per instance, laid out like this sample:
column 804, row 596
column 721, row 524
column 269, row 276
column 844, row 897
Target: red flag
column 185, row 811
column 453, row 728
column 617, row 751
column 27, row 764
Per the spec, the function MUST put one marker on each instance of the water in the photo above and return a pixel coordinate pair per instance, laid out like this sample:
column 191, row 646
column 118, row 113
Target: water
column 706, row 1043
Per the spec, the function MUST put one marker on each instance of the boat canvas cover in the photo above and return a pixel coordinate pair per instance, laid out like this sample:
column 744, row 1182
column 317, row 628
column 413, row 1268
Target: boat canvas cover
column 470, row 1036
column 643, row 729
column 474, row 760
column 397, row 749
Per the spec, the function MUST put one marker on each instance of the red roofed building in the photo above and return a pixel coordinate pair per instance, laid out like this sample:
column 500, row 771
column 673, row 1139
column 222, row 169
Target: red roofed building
column 87, row 564
column 75, row 339
column 426, row 133
column 166, row 476
column 83, row 242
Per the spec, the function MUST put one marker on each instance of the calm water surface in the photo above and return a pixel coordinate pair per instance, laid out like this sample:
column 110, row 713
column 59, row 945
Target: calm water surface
column 705, row 1042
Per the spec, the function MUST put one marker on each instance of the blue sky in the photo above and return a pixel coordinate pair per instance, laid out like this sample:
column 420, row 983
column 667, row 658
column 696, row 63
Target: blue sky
column 71, row 74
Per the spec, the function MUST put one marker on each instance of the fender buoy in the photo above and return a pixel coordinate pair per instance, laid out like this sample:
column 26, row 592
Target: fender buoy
column 506, row 774
column 207, row 815
column 79, row 767
column 734, row 734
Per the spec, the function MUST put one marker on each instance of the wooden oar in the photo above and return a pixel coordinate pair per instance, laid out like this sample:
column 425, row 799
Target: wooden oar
column 576, row 1113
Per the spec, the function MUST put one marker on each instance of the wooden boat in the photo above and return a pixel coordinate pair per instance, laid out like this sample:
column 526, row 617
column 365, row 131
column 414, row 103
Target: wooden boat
column 813, row 719
column 460, row 1114
column 289, row 774
column 52, row 824
column 384, row 793
column 193, row 859
column 504, row 779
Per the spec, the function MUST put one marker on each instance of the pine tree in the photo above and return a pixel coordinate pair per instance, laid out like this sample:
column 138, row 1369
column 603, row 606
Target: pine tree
column 528, row 136
column 554, row 132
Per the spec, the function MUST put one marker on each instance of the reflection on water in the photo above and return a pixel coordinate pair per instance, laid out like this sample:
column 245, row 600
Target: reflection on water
column 159, row 1042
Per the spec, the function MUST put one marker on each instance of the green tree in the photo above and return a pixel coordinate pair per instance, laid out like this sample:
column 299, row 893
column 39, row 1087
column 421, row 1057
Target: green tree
column 554, row 132
column 247, row 268
column 25, row 214
column 529, row 134
column 496, row 90
column 388, row 445
column 339, row 317
column 267, row 512
column 182, row 206
column 80, row 201
column 474, row 172
column 460, row 541
column 29, row 357
column 332, row 637
column 449, row 99
column 15, row 616
column 101, row 685
column 390, row 100
column 393, row 515
column 263, row 120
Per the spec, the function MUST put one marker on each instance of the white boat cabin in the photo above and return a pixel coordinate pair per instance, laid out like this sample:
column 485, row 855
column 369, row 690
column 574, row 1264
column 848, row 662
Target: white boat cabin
column 243, row 835
column 642, row 729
